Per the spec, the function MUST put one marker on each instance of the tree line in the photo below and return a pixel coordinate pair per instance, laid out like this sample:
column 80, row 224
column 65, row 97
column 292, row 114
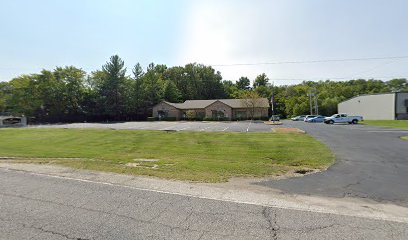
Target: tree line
column 112, row 93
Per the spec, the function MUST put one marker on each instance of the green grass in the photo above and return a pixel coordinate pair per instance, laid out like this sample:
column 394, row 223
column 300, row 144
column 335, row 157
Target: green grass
column 405, row 138
column 193, row 156
column 402, row 124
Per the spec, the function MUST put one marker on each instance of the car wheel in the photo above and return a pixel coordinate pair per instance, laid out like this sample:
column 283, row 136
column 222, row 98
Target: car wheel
column 355, row 121
column 331, row 122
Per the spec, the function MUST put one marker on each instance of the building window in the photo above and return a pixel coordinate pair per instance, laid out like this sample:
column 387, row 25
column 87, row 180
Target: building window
column 217, row 114
column 200, row 115
column 162, row 114
column 240, row 115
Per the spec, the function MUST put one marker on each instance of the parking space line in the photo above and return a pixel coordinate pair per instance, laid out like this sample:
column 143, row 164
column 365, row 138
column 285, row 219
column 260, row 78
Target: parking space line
column 225, row 129
column 205, row 128
column 248, row 126
column 184, row 128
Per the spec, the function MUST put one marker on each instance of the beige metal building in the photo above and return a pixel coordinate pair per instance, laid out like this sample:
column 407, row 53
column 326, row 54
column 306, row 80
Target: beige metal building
column 387, row 106
column 222, row 109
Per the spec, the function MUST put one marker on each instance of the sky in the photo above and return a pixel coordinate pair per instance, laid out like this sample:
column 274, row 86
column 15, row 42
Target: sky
column 291, row 35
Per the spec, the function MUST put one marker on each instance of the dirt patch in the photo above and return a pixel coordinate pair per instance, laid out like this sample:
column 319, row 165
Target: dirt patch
column 250, row 183
column 155, row 166
column 303, row 171
column 132, row 164
column 145, row 160
column 287, row 130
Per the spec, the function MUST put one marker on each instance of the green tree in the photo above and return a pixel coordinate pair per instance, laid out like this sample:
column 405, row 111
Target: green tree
column 251, row 100
column 264, row 91
column 243, row 83
column 4, row 95
column 171, row 93
column 112, row 88
column 72, row 91
column 399, row 84
column 231, row 90
column 261, row 80
column 50, row 91
column 153, row 86
column 178, row 76
column 137, row 72
column 137, row 100
column 22, row 96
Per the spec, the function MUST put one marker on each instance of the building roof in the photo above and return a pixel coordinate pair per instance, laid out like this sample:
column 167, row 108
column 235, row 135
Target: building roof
column 372, row 94
column 233, row 103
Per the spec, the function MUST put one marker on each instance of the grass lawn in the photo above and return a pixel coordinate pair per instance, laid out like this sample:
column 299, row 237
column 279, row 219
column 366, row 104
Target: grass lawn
column 402, row 124
column 405, row 138
column 193, row 156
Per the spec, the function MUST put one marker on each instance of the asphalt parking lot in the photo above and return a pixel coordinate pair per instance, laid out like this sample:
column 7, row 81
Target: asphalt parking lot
column 371, row 163
column 237, row 126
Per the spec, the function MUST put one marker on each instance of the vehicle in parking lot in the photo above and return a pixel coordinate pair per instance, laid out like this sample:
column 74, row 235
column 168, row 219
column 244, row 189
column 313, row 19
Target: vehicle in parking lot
column 274, row 118
column 299, row 118
column 343, row 118
column 317, row 119
column 308, row 117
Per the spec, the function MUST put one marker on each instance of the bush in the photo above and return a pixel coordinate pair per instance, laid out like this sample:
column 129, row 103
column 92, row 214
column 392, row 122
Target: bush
column 190, row 115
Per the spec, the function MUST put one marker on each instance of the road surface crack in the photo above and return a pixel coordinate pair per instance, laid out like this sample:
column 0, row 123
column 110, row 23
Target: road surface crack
column 273, row 227
column 42, row 229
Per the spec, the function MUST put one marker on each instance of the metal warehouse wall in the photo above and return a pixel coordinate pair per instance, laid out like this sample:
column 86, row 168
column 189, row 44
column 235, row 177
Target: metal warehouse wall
column 371, row 107
column 402, row 105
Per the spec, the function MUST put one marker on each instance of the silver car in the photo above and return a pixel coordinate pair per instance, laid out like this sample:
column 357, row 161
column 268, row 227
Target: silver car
column 298, row 118
column 317, row 119
column 308, row 117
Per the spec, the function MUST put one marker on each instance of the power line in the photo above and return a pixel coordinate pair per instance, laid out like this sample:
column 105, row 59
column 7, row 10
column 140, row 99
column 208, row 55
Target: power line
column 253, row 64
column 311, row 61
column 335, row 78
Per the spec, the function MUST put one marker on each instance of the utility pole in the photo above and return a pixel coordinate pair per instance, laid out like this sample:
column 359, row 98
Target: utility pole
column 310, row 102
column 315, row 97
column 272, row 104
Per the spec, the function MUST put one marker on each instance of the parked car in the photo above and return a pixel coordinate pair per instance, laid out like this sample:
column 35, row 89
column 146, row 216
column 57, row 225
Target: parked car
column 317, row 119
column 343, row 118
column 274, row 118
column 298, row 118
column 308, row 116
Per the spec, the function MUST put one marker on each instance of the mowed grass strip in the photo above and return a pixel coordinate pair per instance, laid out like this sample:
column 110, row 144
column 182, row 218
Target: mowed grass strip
column 401, row 124
column 193, row 156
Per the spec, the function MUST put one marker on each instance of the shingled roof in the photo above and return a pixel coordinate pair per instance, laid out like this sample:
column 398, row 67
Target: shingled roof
column 233, row 103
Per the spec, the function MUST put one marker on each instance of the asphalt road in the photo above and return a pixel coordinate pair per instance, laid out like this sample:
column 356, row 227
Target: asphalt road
column 372, row 163
column 42, row 207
